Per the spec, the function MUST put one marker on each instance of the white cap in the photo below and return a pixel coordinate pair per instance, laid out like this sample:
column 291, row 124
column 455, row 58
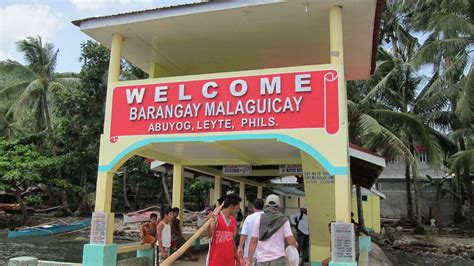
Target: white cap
column 272, row 201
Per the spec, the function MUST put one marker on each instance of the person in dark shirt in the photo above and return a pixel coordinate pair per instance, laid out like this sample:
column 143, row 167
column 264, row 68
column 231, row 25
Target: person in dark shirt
column 177, row 235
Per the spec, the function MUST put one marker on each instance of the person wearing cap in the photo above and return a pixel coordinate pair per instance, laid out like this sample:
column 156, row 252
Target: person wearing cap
column 271, row 231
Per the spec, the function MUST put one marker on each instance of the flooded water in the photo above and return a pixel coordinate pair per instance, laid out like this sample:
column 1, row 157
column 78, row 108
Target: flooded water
column 66, row 248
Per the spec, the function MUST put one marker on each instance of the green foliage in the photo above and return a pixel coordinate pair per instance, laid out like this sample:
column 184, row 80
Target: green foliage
column 22, row 164
column 33, row 200
column 30, row 87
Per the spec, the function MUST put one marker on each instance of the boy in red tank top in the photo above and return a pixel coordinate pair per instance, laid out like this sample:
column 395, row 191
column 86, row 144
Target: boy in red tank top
column 223, row 229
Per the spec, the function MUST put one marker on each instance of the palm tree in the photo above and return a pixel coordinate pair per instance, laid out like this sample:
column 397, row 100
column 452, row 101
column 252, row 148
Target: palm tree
column 394, row 86
column 449, row 49
column 394, row 25
column 34, row 82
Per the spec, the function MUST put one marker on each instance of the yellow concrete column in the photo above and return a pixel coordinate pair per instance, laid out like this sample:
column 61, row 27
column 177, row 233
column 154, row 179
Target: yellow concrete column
column 259, row 192
column 217, row 188
column 242, row 195
column 178, row 188
column 115, row 55
column 335, row 35
column 103, row 201
column 113, row 75
column 320, row 202
column 343, row 182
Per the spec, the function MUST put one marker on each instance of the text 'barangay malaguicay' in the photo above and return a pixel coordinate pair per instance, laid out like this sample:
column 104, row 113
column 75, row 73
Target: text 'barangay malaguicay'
column 287, row 100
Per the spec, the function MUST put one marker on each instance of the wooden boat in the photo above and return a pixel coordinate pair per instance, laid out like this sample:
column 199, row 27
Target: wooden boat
column 50, row 229
column 140, row 216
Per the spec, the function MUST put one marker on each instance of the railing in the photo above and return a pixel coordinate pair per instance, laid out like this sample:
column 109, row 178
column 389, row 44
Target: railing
column 124, row 248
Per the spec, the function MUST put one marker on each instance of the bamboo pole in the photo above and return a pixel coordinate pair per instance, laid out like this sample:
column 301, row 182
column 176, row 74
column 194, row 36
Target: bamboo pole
column 168, row 261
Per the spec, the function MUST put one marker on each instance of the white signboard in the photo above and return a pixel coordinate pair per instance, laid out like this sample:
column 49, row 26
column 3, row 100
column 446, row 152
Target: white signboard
column 343, row 242
column 99, row 227
column 236, row 169
column 291, row 168
column 318, row 177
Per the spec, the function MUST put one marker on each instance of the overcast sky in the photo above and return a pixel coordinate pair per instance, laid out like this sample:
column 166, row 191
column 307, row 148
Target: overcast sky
column 51, row 19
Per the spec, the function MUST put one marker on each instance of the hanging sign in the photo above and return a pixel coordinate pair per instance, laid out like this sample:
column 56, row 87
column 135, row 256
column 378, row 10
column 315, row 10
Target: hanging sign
column 236, row 169
column 291, row 169
column 241, row 103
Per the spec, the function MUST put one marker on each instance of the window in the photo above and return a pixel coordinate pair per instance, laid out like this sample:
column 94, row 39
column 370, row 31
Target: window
column 364, row 197
column 422, row 156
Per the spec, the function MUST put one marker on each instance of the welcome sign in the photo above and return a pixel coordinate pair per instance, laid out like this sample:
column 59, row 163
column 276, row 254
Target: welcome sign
column 275, row 101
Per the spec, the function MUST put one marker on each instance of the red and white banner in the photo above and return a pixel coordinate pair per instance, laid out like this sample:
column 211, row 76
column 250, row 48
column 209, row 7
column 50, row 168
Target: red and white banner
column 273, row 101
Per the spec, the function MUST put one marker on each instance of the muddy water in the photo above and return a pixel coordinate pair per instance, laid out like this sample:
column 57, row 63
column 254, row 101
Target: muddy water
column 59, row 248
column 66, row 248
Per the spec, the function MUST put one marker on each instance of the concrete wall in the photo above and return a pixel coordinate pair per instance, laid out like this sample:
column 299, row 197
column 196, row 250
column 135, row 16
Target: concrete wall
column 395, row 204
column 396, row 169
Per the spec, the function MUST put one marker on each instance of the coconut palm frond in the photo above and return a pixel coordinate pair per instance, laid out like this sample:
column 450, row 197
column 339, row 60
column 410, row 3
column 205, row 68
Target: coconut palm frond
column 368, row 126
column 390, row 145
column 13, row 89
column 414, row 127
column 458, row 160
column 12, row 72
column 466, row 99
column 430, row 51
column 436, row 92
column 451, row 23
column 26, row 100
column 380, row 87
column 462, row 133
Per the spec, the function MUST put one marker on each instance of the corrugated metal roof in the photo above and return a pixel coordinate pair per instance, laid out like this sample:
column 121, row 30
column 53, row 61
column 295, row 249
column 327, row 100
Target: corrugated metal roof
column 79, row 21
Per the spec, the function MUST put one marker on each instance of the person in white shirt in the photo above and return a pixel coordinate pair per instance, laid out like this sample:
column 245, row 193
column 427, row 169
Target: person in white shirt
column 300, row 221
column 271, row 230
column 248, row 228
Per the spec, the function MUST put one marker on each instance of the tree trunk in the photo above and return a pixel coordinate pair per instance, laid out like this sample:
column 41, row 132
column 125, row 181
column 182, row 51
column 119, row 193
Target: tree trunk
column 360, row 210
column 418, row 214
column 65, row 202
column 137, row 195
column 24, row 212
column 165, row 188
column 124, row 188
column 46, row 112
column 408, row 192
column 438, row 205
column 83, row 206
column 467, row 182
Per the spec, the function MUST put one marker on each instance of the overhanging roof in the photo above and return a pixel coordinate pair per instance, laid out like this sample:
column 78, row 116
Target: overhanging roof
column 264, row 156
column 365, row 166
column 222, row 36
